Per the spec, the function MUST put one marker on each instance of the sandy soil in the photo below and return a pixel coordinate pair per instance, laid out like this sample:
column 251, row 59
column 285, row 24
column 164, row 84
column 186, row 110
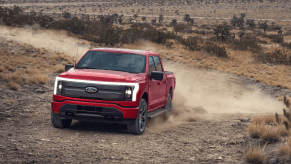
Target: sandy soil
column 206, row 127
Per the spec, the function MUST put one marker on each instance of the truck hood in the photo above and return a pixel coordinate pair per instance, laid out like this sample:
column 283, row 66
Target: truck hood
column 102, row 75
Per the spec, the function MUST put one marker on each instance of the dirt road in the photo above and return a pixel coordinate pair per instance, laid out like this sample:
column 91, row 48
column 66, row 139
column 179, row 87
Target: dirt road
column 194, row 134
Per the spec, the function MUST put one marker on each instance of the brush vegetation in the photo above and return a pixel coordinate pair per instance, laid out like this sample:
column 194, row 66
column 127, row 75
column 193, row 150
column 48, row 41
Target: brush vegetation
column 255, row 154
column 24, row 64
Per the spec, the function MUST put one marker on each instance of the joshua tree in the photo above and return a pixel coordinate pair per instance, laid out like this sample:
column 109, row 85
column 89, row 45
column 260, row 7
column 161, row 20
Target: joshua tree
column 191, row 21
column 238, row 21
column 161, row 18
column 222, row 32
column 135, row 15
column 144, row 19
column 280, row 33
column 66, row 15
column 241, row 35
column 178, row 27
column 174, row 22
column 120, row 19
column 264, row 26
column 187, row 18
column 154, row 21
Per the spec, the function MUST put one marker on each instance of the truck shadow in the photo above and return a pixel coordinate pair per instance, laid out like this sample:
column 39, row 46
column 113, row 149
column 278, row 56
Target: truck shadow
column 98, row 127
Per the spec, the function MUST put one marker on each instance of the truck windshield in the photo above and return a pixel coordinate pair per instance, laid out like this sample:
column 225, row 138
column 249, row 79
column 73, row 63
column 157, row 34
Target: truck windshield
column 132, row 63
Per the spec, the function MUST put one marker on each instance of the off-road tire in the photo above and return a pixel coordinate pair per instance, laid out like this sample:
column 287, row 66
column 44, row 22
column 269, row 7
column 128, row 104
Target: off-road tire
column 57, row 122
column 139, row 124
column 168, row 106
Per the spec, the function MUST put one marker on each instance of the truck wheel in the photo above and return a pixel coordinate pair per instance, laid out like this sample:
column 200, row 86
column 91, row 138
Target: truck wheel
column 169, row 104
column 57, row 122
column 138, row 126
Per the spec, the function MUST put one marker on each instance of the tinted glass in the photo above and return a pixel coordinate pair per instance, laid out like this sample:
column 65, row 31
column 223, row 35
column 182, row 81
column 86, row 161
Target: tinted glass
column 132, row 63
column 158, row 64
column 151, row 65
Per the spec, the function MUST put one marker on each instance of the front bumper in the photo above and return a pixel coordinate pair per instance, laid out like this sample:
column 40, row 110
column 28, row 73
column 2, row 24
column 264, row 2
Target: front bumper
column 92, row 110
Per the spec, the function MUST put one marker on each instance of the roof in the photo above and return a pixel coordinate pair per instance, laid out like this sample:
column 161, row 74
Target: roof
column 121, row 50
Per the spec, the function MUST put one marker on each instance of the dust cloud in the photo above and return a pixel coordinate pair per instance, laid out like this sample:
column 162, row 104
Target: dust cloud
column 52, row 40
column 202, row 94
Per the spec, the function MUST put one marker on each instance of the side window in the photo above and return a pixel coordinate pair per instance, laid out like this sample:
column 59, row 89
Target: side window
column 151, row 65
column 158, row 64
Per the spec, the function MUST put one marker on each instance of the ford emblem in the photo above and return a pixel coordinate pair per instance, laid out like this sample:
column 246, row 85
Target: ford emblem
column 91, row 89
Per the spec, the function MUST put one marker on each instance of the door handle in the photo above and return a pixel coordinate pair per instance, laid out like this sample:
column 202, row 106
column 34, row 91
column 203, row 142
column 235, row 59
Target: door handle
column 158, row 83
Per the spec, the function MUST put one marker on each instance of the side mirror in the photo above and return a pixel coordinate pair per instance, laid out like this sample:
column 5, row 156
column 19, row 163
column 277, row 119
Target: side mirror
column 68, row 66
column 157, row 75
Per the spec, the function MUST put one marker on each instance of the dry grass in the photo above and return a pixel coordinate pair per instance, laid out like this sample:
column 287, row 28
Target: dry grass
column 12, row 101
column 255, row 131
column 270, row 134
column 255, row 154
column 286, row 148
column 264, row 120
column 39, row 79
column 283, row 131
column 269, row 128
column 28, row 64
column 13, row 86
column 59, row 68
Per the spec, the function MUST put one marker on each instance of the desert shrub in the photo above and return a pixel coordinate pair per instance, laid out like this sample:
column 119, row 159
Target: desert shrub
column 248, row 42
column 283, row 131
column 276, row 38
column 39, row 79
column 254, row 130
column 262, row 41
column 255, row 154
column 270, row 134
column 181, row 28
column 203, row 32
column 286, row 45
column 192, row 43
column 276, row 57
column 13, row 86
column 75, row 25
column 287, row 33
column 274, row 27
column 59, row 69
column 251, row 23
column 207, row 27
column 103, row 32
column 286, row 148
column 264, row 120
column 214, row 49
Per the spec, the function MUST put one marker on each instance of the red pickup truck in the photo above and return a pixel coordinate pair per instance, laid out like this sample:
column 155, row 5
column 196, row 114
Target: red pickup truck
column 113, row 85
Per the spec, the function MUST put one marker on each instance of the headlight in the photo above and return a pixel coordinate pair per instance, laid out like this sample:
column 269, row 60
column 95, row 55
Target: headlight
column 59, row 88
column 128, row 93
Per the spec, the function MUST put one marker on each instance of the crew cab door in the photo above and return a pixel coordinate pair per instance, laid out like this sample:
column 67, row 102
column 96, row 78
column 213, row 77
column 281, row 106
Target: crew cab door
column 157, row 88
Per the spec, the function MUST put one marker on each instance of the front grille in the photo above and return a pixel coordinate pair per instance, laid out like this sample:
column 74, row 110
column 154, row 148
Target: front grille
column 104, row 92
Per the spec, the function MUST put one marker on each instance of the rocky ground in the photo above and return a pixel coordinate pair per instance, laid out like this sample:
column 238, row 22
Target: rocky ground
column 27, row 136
